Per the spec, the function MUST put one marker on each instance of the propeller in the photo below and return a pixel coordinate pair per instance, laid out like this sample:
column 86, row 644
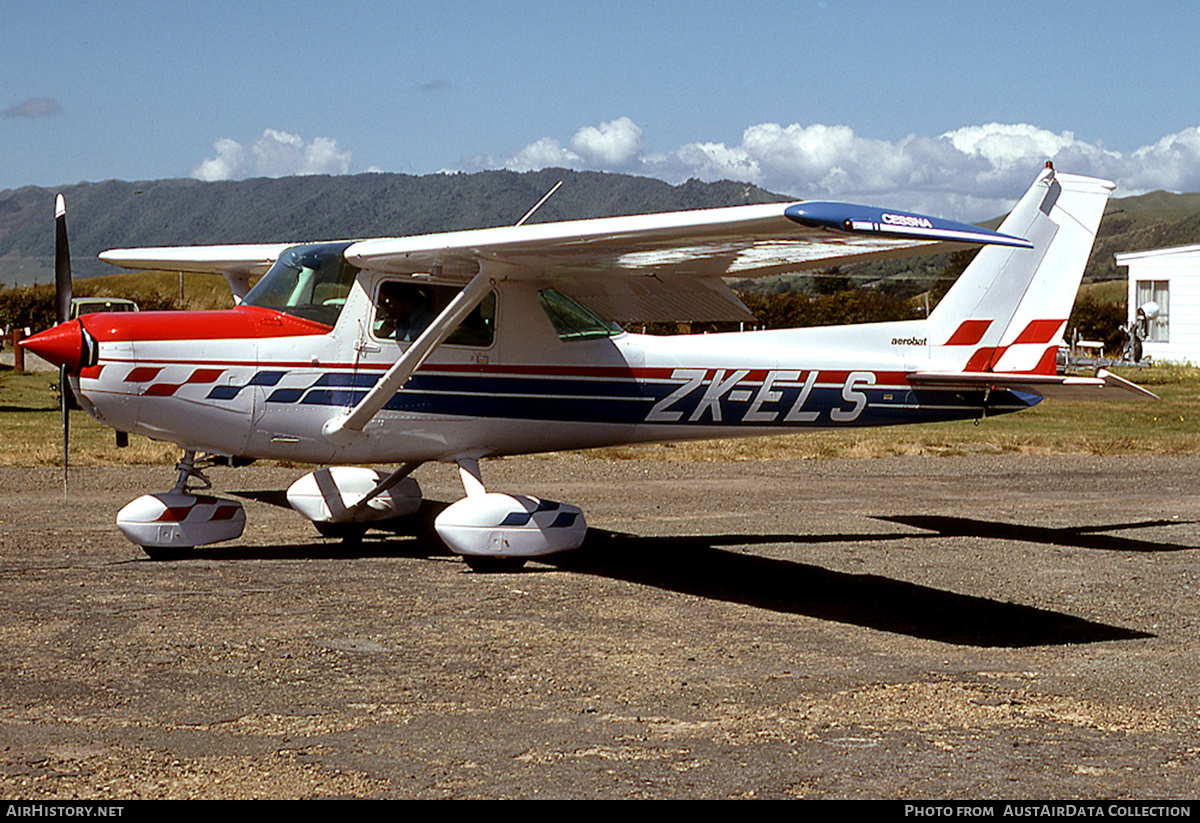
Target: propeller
column 62, row 312
column 62, row 263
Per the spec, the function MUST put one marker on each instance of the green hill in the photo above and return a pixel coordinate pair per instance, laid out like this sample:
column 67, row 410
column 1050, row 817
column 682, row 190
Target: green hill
column 117, row 214
column 185, row 212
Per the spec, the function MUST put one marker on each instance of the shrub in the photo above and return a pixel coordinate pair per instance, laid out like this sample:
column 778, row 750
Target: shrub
column 1099, row 320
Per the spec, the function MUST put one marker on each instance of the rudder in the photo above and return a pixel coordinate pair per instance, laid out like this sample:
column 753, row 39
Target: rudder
column 1008, row 309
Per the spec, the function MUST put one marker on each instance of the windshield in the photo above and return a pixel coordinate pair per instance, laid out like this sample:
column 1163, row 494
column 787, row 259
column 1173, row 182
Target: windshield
column 310, row 281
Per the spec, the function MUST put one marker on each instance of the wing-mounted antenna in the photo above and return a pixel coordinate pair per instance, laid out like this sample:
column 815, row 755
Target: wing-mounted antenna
column 539, row 203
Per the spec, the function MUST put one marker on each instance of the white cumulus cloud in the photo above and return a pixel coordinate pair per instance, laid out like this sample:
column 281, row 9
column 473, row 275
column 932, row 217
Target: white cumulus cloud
column 227, row 165
column 613, row 145
column 972, row 173
column 541, row 154
column 1173, row 163
column 273, row 154
column 1005, row 144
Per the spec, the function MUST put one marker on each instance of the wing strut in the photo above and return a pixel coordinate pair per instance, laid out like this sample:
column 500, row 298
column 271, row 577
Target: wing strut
column 348, row 428
column 401, row 472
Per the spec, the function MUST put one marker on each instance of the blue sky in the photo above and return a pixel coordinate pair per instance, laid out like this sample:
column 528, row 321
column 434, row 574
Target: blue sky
column 944, row 107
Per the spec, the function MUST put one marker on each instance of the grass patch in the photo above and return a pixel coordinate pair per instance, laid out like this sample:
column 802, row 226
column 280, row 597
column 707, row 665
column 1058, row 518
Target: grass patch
column 30, row 433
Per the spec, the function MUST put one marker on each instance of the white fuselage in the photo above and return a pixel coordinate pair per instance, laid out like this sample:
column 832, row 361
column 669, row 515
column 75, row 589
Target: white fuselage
column 254, row 383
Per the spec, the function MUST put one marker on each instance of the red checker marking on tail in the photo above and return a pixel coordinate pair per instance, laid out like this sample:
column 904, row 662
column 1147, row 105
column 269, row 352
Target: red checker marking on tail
column 968, row 333
column 1049, row 362
column 1039, row 331
column 1036, row 332
column 982, row 359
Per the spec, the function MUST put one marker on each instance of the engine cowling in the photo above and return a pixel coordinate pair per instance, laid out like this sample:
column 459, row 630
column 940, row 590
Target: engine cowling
column 510, row 525
column 180, row 520
column 327, row 495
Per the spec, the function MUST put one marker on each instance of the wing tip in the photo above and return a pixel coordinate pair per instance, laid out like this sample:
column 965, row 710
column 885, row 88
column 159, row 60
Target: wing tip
column 855, row 219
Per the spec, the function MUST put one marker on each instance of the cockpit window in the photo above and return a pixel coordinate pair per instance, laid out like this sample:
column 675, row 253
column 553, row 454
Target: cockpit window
column 403, row 310
column 310, row 281
column 573, row 320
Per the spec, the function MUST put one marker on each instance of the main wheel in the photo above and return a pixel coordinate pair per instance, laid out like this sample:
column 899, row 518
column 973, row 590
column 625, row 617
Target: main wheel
column 493, row 564
column 351, row 534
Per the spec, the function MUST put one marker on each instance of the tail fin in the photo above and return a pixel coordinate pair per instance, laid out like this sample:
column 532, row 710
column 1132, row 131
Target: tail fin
column 1008, row 310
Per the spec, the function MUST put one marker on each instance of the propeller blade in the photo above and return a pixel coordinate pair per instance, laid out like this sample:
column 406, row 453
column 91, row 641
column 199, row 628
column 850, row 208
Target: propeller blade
column 62, row 312
column 64, row 394
column 62, row 262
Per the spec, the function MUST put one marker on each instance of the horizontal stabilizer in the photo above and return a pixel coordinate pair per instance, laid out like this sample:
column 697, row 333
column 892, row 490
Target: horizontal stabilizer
column 1104, row 386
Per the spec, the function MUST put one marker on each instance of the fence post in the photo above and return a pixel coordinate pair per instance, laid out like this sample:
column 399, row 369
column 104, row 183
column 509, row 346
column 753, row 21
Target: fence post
column 18, row 352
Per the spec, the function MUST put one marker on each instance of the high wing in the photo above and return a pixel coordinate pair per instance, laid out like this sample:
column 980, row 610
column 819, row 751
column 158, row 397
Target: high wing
column 640, row 268
column 669, row 267
column 238, row 263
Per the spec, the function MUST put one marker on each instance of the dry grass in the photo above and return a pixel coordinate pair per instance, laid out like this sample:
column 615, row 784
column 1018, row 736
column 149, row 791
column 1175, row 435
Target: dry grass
column 200, row 291
column 29, row 431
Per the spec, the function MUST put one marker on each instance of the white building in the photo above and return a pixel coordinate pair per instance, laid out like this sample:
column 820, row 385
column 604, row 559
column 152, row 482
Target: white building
column 1169, row 278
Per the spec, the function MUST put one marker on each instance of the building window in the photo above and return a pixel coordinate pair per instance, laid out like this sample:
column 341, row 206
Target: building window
column 1155, row 291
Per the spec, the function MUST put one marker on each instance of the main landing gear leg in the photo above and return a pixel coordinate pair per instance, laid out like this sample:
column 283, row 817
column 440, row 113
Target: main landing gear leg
column 350, row 531
column 499, row 532
column 468, row 472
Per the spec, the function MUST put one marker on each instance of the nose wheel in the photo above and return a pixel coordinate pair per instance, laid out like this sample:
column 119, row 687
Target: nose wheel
column 167, row 553
column 170, row 524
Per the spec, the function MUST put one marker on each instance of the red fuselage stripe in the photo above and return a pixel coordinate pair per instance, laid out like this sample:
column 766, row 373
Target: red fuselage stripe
column 242, row 323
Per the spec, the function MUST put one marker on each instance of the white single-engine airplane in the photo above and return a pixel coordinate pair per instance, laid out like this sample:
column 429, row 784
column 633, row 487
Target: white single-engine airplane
column 465, row 345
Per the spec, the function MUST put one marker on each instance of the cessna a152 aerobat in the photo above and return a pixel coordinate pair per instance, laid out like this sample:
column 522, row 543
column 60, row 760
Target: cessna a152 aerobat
column 465, row 345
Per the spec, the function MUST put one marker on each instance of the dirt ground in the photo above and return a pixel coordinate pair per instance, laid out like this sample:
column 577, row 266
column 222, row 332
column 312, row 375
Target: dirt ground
column 959, row 627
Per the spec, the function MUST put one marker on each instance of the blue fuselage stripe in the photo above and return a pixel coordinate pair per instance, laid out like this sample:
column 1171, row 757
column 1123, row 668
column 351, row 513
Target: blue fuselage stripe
column 632, row 402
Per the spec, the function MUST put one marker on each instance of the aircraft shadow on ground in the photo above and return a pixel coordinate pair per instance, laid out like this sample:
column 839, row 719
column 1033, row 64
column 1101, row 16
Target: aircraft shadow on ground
column 696, row 565
column 1083, row 537
column 702, row 566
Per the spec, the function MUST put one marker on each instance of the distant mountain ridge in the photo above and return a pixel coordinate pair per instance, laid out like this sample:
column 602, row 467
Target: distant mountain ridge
column 115, row 213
